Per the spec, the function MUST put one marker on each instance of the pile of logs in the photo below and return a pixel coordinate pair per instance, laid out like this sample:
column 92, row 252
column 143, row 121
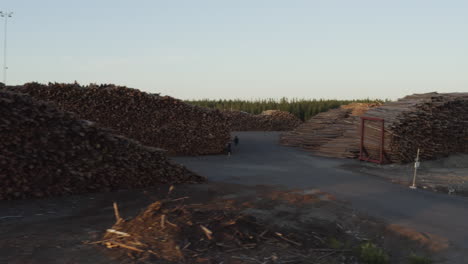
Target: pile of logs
column 333, row 133
column 153, row 120
column 269, row 120
column 47, row 152
column 435, row 123
column 359, row 109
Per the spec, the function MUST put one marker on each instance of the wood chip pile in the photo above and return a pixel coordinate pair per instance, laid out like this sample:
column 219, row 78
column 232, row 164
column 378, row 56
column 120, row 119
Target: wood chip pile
column 435, row 123
column 332, row 134
column 47, row 152
column 153, row 120
column 269, row 120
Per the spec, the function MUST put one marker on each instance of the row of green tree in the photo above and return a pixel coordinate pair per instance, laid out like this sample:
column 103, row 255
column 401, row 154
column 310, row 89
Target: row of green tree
column 302, row 108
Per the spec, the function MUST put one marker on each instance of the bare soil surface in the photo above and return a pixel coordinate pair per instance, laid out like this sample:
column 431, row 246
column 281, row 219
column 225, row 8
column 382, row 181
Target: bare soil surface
column 295, row 227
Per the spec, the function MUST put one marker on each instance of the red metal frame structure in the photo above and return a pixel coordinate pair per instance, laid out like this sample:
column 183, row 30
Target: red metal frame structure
column 362, row 149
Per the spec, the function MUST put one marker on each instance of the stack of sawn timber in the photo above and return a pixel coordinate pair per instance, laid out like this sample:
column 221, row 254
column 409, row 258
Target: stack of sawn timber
column 333, row 133
column 435, row 123
column 47, row 152
column 153, row 120
column 269, row 120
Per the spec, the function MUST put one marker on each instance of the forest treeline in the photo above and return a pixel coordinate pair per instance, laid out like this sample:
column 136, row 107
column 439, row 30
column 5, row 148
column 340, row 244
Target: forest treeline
column 302, row 108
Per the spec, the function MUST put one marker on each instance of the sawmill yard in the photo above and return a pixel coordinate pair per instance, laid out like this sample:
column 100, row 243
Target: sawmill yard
column 109, row 174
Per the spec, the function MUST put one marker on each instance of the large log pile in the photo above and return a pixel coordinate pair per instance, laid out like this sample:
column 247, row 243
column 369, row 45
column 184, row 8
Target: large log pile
column 153, row 120
column 435, row 123
column 47, row 152
column 333, row 133
column 269, row 120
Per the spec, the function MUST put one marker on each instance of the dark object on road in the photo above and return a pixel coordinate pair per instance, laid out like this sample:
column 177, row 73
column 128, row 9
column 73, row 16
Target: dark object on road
column 47, row 152
column 236, row 141
column 228, row 149
column 153, row 120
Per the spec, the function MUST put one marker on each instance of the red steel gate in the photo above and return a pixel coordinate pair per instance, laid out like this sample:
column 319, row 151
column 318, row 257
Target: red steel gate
column 372, row 139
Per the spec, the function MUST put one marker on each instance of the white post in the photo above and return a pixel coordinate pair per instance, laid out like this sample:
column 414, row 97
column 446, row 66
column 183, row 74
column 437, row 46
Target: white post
column 416, row 166
column 5, row 15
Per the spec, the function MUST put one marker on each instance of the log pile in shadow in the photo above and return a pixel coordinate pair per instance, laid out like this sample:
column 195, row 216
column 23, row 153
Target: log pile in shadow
column 269, row 120
column 153, row 120
column 47, row 152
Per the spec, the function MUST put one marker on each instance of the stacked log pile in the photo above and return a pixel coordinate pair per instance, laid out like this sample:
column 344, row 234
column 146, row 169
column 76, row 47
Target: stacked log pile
column 269, row 120
column 153, row 120
column 359, row 109
column 435, row 123
column 333, row 133
column 47, row 152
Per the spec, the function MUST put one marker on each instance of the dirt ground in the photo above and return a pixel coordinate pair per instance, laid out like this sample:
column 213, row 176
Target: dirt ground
column 62, row 230
column 447, row 175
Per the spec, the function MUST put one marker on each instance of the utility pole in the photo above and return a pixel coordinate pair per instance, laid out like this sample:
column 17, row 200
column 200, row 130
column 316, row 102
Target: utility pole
column 5, row 15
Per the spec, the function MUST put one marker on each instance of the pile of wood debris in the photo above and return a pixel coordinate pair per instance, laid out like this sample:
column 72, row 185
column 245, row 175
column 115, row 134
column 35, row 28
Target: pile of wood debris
column 47, row 152
column 172, row 231
column 153, row 120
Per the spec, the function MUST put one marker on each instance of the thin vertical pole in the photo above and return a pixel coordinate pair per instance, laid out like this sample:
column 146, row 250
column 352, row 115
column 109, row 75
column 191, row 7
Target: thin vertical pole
column 382, row 143
column 5, row 50
column 416, row 165
column 362, row 139
column 5, row 15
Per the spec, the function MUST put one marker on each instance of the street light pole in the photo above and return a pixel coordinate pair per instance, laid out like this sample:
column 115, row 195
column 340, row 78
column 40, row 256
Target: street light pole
column 6, row 15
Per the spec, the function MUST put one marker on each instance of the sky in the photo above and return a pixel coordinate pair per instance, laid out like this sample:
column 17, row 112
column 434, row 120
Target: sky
column 247, row 49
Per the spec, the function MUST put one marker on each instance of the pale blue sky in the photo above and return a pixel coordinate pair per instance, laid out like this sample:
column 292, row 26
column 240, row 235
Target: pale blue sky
column 244, row 48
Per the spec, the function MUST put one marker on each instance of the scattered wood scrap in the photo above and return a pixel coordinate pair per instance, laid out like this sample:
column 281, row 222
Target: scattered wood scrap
column 210, row 233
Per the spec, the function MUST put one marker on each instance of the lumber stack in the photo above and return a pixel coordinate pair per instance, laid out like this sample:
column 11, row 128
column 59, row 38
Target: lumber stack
column 153, row 120
column 47, row 152
column 435, row 123
column 269, row 120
